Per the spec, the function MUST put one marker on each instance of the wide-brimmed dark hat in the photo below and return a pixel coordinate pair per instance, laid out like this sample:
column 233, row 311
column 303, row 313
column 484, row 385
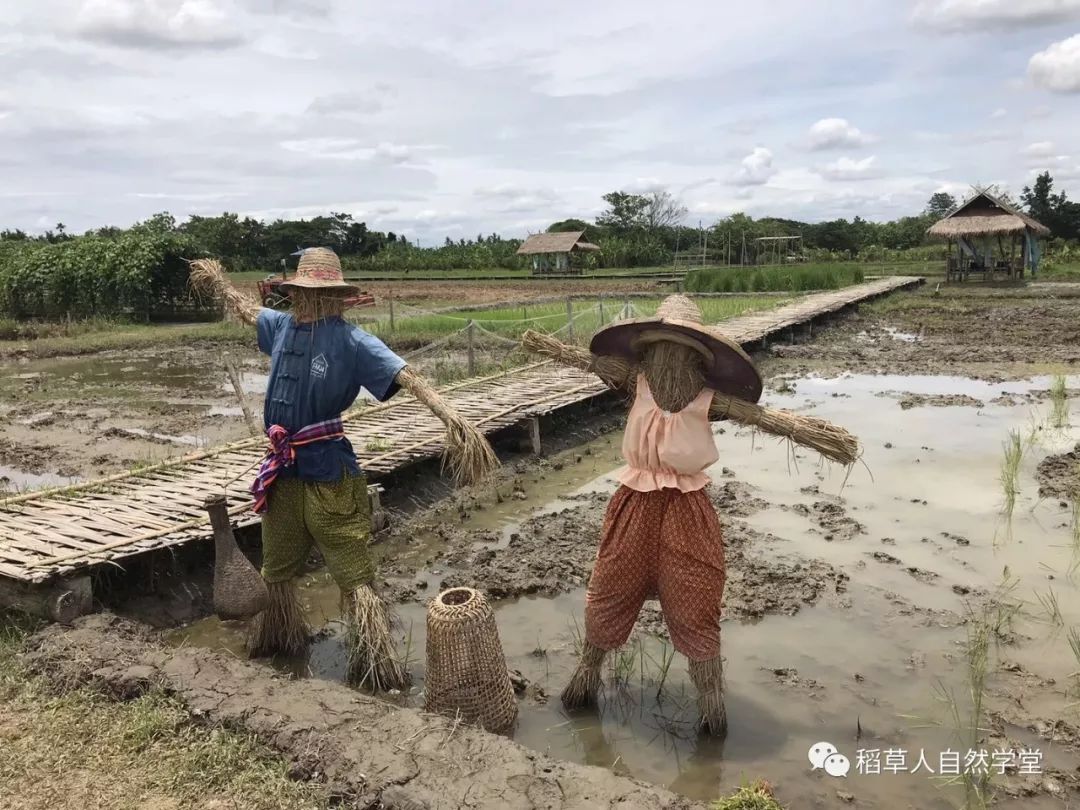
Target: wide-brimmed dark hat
column 319, row 269
column 728, row 369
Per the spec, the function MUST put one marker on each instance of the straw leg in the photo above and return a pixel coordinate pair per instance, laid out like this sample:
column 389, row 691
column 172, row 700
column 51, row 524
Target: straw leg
column 373, row 662
column 587, row 681
column 708, row 678
column 281, row 629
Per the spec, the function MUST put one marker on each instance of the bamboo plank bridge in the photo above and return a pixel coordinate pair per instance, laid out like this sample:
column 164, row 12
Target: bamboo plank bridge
column 49, row 536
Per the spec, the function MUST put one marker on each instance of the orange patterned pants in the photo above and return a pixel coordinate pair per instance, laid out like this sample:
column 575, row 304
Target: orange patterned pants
column 664, row 543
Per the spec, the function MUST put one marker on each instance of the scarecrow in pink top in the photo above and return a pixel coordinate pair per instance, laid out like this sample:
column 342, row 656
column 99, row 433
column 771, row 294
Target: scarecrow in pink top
column 661, row 536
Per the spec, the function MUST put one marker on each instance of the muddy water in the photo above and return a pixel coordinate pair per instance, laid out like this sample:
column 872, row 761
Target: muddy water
column 861, row 671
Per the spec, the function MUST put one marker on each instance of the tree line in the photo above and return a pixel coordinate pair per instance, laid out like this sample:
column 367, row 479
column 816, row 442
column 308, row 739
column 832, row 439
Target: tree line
column 633, row 230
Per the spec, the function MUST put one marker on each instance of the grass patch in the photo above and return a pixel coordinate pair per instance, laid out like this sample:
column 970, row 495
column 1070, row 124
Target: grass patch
column 797, row 278
column 80, row 749
column 757, row 795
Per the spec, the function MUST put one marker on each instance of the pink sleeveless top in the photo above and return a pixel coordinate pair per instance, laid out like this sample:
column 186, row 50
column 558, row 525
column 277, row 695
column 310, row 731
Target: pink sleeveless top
column 667, row 450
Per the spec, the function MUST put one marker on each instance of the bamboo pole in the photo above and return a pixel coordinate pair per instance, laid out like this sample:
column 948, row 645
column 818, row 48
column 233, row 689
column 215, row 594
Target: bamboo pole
column 238, row 389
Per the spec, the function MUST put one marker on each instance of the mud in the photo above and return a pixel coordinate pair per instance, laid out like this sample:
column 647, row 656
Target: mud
column 1059, row 475
column 553, row 553
column 982, row 336
column 363, row 749
column 908, row 401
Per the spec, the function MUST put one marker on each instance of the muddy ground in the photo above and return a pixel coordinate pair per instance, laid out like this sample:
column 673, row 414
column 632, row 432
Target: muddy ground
column 850, row 596
column 996, row 335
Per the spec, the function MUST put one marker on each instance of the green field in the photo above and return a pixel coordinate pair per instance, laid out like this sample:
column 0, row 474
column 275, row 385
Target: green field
column 512, row 322
column 794, row 278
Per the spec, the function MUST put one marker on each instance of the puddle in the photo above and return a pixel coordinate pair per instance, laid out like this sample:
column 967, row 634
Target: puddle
column 13, row 480
column 927, row 504
column 132, row 373
column 890, row 331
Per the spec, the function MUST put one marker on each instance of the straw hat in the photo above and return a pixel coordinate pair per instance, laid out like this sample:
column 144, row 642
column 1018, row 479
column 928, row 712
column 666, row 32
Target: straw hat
column 728, row 369
column 319, row 268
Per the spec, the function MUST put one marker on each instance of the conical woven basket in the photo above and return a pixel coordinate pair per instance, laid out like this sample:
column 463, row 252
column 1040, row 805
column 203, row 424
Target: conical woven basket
column 466, row 670
column 239, row 590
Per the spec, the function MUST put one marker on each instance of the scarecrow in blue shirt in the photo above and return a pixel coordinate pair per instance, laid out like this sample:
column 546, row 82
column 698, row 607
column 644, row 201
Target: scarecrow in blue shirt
column 310, row 489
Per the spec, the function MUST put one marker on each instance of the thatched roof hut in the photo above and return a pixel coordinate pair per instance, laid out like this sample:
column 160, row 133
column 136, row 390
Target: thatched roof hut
column 551, row 251
column 976, row 225
column 985, row 215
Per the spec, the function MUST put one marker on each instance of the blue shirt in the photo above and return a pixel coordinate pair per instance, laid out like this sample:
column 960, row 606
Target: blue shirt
column 316, row 372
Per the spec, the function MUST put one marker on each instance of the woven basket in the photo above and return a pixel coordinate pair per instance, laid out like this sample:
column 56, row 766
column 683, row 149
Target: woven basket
column 466, row 670
column 239, row 590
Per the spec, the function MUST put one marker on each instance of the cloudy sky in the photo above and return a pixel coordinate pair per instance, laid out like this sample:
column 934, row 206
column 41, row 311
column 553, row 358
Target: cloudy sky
column 445, row 119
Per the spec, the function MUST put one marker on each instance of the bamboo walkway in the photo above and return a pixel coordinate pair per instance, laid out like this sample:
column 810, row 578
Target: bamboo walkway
column 53, row 533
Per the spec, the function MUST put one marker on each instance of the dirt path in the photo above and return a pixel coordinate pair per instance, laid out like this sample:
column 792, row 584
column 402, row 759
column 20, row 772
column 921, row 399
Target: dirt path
column 363, row 749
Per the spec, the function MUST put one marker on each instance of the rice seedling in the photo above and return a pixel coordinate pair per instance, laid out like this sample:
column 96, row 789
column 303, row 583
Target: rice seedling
column 1073, row 635
column 623, row 663
column 1059, row 400
column 577, row 640
column 967, row 715
column 1010, row 470
column 539, row 651
column 377, row 445
column 1049, row 602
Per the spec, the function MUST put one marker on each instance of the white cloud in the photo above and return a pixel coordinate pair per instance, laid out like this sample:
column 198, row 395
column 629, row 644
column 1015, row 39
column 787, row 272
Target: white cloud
column 152, row 24
column 1039, row 149
column 966, row 15
column 1058, row 67
column 835, row 133
column 1000, row 112
column 848, row 169
column 756, row 168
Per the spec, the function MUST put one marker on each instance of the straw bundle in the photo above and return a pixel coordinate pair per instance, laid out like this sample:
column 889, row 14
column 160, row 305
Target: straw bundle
column 831, row 441
column 466, row 670
column 708, row 678
column 469, row 456
column 281, row 628
column 372, row 660
column 587, row 681
column 207, row 277
column 313, row 304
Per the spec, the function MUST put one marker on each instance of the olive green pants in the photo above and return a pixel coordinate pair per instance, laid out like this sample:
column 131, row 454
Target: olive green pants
column 335, row 516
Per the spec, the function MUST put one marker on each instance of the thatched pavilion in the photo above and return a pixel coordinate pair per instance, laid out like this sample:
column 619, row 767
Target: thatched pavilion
column 988, row 234
column 551, row 252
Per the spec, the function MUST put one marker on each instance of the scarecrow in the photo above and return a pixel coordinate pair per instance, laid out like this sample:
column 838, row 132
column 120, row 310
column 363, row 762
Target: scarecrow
column 661, row 536
column 310, row 489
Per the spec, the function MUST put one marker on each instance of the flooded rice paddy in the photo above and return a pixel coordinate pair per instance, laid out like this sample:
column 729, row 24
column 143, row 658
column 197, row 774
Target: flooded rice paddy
column 917, row 546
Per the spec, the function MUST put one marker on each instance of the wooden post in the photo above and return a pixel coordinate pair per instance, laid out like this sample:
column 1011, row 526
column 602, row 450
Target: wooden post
column 601, row 311
column 391, row 312
column 472, row 347
column 704, row 248
column 570, row 317
column 60, row 601
column 234, row 378
column 534, row 435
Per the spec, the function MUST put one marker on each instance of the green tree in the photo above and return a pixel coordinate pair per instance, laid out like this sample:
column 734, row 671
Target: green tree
column 1040, row 200
column 940, row 204
column 625, row 211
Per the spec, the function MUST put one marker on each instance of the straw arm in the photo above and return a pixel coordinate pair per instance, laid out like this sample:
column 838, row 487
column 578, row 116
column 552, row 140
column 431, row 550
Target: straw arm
column 468, row 453
column 207, row 278
column 615, row 372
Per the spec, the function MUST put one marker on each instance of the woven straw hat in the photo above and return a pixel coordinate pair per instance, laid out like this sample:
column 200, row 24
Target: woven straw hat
column 319, row 268
column 728, row 369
